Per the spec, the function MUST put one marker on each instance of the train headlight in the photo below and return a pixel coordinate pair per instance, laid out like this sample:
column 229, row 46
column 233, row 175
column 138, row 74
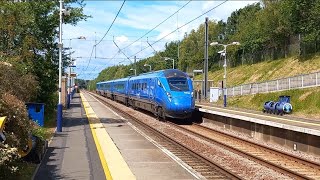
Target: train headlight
column 169, row 95
column 191, row 94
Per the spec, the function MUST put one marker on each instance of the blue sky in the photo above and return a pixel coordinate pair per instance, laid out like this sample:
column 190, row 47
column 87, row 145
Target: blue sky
column 135, row 19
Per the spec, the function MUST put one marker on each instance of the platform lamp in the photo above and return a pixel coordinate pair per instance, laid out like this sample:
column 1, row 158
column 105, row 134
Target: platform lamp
column 148, row 65
column 60, row 45
column 167, row 58
column 224, row 52
column 69, row 97
column 135, row 71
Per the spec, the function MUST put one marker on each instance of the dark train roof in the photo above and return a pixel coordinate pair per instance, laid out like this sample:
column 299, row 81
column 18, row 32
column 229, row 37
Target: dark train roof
column 162, row 73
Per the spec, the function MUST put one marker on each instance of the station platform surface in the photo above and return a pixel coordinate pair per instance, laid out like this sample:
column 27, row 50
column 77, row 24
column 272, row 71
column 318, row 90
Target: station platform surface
column 97, row 143
column 303, row 125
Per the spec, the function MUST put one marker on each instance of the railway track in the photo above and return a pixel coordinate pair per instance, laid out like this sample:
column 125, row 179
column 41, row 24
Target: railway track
column 282, row 162
column 207, row 168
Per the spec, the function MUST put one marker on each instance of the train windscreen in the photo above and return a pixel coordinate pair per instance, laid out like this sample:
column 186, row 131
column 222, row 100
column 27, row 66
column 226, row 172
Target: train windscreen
column 178, row 84
column 177, row 80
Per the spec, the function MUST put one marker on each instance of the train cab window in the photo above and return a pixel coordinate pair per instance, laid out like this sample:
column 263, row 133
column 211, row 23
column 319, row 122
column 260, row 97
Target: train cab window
column 178, row 81
column 159, row 84
column 178, row 84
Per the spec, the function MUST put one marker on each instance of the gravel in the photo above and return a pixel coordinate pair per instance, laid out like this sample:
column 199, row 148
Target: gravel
column 240, row 165
column 304, row 155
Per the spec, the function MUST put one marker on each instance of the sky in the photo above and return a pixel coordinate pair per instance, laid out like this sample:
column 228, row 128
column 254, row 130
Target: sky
column 135, row 19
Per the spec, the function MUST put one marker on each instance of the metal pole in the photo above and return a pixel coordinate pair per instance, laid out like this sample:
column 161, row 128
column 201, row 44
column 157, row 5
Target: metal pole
column 225, row 77
column 69, row 79
column 206, row 59
column 172, row 63
column 178, row 39
column 59, row 106
column 95, row 47
column 135, row 66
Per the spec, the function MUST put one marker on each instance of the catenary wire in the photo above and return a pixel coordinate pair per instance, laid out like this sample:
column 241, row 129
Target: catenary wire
column 181, row 27
column 94, row 46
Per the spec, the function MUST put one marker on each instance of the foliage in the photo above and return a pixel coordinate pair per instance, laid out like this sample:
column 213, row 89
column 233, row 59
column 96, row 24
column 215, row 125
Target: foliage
column 28, row 40
column 28, row 66
column 19, row 84
column 8, row 158
column 263, row 71
column 266, row 31
column 300, row 99
column 17, row 130
column 42, row 133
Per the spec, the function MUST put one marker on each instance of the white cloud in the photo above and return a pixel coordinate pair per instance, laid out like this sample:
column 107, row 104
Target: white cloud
column 135, row 19
column 121, row 38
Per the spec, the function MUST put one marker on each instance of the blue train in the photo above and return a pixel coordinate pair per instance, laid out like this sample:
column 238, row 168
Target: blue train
column 281, row 107
column 166, row 93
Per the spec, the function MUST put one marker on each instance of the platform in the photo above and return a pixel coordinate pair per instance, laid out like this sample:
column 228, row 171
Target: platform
column 307, row 126
column 97, row 143
column 72, row 153
column 288, row 132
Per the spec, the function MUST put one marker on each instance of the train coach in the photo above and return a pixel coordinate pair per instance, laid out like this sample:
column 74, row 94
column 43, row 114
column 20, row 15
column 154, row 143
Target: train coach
column 166, row 93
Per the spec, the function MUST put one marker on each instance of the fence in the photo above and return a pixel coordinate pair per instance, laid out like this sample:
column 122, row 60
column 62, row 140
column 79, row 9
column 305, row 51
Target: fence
column 294, row 82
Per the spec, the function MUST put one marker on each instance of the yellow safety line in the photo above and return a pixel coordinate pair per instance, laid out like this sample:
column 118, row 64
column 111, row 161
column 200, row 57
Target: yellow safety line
column 261, row 115
column 2, row 122
column 101, row 155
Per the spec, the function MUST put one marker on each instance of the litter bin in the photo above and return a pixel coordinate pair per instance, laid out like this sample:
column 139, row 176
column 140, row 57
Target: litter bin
column 36, row 112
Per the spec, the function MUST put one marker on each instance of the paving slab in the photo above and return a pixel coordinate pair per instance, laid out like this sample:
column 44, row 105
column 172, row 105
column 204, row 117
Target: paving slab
column 145, row 159
column 303, row 125
column 72, row 153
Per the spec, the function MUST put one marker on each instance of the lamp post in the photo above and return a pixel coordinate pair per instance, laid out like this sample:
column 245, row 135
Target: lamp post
column 167, row 58
column 135, row 71
column 224, row 52
column 148, row 65
column 60, row 45
column 69, row 76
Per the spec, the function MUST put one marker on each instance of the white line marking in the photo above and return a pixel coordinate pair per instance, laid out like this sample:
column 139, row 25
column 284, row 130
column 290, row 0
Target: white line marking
column 166, row 151
column 301, row 122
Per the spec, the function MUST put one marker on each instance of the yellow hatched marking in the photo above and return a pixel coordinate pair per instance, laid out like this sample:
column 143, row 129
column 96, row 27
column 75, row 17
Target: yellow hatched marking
column 112, row 162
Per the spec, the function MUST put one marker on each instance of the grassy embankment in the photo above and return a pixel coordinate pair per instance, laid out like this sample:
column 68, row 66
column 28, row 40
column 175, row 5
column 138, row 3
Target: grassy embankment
column 306, row 102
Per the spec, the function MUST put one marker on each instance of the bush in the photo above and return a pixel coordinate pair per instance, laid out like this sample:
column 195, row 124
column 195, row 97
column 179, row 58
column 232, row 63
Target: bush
column 23, row 86
column 17, row 130
column 15, row 89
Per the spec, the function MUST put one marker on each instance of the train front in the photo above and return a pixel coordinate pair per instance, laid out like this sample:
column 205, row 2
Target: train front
column 180, row 95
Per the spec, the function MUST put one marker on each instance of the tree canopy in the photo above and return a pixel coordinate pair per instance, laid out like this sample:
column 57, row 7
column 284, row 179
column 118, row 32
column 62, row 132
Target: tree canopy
column 268, row 30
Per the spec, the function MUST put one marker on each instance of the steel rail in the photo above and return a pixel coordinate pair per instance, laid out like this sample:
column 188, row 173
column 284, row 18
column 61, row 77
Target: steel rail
column 232, row 148
column 223, row 171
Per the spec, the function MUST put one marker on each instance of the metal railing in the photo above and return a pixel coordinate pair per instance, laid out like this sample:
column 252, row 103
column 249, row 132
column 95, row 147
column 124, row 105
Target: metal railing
column 294, row 82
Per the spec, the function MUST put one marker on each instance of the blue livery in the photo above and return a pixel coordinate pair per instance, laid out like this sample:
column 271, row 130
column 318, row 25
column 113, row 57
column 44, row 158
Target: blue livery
column 281, row 107
column 166, row 93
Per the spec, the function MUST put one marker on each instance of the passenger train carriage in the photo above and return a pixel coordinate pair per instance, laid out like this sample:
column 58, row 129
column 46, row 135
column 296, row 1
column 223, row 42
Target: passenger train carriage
column 166, row 93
